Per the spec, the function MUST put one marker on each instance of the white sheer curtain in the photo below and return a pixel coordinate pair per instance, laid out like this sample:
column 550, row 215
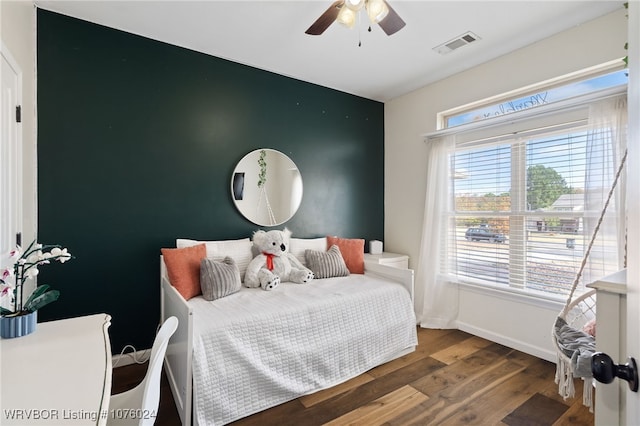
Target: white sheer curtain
column 437, row 297
column 436, row 289
column 606, row 146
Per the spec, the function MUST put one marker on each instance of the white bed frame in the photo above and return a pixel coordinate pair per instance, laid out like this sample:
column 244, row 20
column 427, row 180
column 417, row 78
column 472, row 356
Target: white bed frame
column 178, row 359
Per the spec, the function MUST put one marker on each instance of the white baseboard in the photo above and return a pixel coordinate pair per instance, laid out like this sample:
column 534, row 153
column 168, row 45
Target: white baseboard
column 519, row 345
column 129, row 358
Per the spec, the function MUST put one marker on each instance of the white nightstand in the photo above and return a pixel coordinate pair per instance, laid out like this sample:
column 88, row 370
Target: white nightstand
column 390, row 259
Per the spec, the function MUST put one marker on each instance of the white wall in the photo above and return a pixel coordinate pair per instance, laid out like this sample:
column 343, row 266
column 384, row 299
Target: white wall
column 18, row 33
column 521, row 325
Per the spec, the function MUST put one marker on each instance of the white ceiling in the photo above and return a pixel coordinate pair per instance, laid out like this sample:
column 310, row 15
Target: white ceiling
column 270, row 35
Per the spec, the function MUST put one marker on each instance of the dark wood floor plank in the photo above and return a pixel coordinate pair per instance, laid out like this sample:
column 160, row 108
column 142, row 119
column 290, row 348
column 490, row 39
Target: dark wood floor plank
column 526, row 359
column 511, row 393
column 323, row 395
column 382, row 409
column 460, row 350
column 449, row 400
column 577, row 414
column 286, row 414
column 428, row 343
column 454, row 375
column 544, row 410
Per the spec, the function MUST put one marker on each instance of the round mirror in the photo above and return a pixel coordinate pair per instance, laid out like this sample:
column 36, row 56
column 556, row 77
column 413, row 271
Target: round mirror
column 266, row 187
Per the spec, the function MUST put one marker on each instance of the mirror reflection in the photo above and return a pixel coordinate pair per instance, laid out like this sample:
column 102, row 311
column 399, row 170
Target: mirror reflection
column 266, row 187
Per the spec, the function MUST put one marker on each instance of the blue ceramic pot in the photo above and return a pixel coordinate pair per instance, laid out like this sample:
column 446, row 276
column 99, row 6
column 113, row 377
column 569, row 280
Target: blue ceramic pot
column 19, row 325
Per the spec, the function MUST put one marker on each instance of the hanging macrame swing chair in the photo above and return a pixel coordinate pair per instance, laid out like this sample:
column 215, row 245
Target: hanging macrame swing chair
column 574, row 346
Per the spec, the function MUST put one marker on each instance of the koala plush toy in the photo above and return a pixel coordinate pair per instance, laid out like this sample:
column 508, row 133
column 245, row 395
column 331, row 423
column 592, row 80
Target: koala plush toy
column 274, row 263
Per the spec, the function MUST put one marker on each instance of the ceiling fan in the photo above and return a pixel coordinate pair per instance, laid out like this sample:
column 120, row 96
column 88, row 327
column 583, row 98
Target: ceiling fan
column 345, row 12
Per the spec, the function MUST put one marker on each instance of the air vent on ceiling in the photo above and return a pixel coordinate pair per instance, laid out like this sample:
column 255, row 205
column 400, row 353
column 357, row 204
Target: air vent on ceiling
column 461, row 40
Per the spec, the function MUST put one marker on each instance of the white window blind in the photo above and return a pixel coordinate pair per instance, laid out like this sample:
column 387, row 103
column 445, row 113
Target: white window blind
column 524, row 202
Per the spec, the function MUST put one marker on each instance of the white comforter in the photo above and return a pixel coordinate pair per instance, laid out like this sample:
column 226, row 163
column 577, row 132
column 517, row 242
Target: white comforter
column 256, row 349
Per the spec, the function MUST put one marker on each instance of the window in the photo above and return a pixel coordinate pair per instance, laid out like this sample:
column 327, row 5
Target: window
column 525, row 201
column 545, row 93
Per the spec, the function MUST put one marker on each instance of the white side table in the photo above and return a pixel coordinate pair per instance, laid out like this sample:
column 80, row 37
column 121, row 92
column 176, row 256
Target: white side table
column 394, row 260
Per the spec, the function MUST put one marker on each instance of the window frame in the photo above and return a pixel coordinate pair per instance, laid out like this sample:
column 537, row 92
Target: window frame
column 573, row 112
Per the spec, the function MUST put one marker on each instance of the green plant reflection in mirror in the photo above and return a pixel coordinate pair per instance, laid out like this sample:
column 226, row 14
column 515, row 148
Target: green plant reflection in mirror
column 266, row 187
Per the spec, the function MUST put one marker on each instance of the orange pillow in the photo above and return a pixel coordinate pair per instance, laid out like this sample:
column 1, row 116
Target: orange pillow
column 183, row 268
column 352, row 250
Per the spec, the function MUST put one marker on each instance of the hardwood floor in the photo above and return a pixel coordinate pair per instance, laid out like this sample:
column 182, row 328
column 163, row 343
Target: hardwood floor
column 453, row 378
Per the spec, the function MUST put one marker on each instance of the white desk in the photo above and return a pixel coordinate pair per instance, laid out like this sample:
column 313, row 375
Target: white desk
column 58, row 375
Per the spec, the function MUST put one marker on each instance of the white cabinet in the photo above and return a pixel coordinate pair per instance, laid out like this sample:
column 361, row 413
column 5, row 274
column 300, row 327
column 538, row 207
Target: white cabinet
column 611, row 331
column 390, row 259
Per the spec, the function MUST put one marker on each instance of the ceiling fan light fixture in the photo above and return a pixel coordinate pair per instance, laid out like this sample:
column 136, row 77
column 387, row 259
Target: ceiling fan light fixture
column 354, row 5
column 377, row 10
column 346, row 12
column 347, row 17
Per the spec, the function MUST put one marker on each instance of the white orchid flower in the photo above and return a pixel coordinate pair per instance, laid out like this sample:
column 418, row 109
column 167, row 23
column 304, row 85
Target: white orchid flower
column 8, row 272
column 32, row 272
column 33, row 258
column 44, row 258
column 6, row 290
column 62, row 255
column 15, row 253
column 6, row 296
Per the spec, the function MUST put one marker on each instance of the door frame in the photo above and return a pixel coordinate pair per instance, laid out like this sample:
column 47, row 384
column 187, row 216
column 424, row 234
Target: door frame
column 14, row 149
column 630, row 410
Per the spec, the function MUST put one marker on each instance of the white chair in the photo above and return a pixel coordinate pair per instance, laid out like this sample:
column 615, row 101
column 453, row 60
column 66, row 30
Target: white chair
column 139, row 406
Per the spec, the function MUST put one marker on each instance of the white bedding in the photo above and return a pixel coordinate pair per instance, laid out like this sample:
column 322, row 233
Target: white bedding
column 256, row 349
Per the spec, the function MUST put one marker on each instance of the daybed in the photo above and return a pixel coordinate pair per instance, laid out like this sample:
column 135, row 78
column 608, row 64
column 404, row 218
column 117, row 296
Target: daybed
column 255, row 349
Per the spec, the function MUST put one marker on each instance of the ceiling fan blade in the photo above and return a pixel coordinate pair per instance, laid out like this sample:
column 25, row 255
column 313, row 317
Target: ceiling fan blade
column 326, row 19
column 392, row 23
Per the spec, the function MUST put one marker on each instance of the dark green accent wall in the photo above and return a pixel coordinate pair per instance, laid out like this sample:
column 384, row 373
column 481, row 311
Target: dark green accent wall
column 137, row 141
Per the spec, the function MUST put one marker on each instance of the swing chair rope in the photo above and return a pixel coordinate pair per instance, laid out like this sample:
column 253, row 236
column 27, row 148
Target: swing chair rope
column 564, row 368
column 595, row 233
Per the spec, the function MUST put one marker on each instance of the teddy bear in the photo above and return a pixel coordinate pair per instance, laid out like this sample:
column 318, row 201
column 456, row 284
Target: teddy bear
column 274, row 263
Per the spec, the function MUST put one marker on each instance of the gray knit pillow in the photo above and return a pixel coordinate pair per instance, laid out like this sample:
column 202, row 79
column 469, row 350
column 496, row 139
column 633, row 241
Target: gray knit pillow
column 219, row 278
column 326, row 264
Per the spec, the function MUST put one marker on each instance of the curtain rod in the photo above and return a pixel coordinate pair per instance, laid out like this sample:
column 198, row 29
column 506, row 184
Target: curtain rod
column 566, row 105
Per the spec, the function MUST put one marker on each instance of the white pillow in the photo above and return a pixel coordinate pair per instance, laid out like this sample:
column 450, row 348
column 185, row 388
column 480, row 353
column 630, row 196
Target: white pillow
column 238, row 250
column 298, row 246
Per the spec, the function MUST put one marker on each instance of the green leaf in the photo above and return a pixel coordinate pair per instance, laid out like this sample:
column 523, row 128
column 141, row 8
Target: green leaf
column 40, row 290
column 4, row 311
column 42, row 300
